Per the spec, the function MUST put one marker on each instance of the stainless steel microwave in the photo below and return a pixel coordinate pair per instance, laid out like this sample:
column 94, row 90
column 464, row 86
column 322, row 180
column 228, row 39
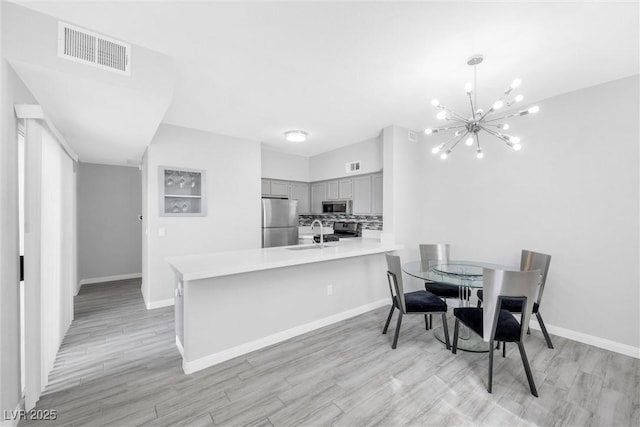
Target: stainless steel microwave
column 338, row 207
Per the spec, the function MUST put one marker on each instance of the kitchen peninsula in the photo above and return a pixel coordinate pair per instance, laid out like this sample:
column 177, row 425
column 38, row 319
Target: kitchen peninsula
column 231, row 303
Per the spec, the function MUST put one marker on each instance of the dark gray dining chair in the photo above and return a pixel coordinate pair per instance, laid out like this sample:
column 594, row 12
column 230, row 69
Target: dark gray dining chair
column 439, row 252
column 417, row 302
column 530, row 260
column 494, row 323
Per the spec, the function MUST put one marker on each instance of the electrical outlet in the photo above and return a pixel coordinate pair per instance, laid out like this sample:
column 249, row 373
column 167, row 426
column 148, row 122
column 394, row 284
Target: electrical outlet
column 329, row 289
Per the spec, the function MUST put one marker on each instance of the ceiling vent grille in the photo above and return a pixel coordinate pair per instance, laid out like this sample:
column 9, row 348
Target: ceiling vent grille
column 93, row 49
column 352, row 167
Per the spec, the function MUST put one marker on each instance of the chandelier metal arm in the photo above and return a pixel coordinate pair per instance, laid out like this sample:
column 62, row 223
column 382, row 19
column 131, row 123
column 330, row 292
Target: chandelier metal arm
column 450, row 111
column 436, row 130
column 458, row 141
column 498, row 135
column 519, row 113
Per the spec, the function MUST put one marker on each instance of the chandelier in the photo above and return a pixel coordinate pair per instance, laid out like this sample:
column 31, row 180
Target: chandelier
column 470, row 128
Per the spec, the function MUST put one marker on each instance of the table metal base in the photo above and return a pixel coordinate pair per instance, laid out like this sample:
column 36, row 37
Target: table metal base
column 467, row 340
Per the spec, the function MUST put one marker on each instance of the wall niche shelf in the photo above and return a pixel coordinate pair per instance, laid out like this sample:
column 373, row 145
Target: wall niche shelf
column 182, row 192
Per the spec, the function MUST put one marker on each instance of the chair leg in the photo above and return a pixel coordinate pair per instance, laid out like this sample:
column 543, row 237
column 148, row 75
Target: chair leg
column 395, row 337
column 455, row 336
column 479, row 304
column 504, row 349
column 497, row 345
column 386, row 325
column 430, row 322
column 527, row 369
column 490, row 380
column 426, row 322
column 446, row 330
column 544, row 330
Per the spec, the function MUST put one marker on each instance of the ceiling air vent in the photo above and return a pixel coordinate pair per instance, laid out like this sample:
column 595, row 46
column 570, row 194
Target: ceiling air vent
column 412, row 136
column 93, row 49
column 352, row 167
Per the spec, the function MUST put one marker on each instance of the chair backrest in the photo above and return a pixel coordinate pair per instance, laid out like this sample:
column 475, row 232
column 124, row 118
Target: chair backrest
column 434, row 252
column 530, row 260
column 394, row 276
column 503, row 283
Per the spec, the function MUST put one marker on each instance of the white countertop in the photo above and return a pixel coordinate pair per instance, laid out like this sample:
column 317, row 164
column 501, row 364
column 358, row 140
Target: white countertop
column 202, row 266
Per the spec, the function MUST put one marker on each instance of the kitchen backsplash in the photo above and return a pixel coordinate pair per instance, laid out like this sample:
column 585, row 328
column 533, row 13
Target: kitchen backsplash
column 368, row 222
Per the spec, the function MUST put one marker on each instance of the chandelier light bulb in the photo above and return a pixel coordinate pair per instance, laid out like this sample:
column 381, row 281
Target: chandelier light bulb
column 479, row 112
column 428, row 131
column 441, row 115
column 479, row 153
column 436, row 149
column 498, row 105
column 435, row 102
column 469, row 141
column 444, row 155
column 468, row 87
column 534, row 109
column 515, row 83
column 518, row 98
column 517, row 147
column 514, row 139
column 504, row 126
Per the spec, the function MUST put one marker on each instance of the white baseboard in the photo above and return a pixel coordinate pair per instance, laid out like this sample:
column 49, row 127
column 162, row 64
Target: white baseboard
column 159, row 304
column 214, row 359
column 109, row 278
column 180, row 348
column 606, row 344
column 17, row 416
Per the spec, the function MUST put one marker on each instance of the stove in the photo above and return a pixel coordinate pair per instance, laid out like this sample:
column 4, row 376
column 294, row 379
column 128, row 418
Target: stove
column 346, row 229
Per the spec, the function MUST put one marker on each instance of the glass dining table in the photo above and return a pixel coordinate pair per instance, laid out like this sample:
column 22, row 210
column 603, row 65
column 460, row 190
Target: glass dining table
column 466, row 275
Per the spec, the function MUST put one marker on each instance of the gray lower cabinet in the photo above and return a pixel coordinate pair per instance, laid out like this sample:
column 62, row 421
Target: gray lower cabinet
column 318, row 195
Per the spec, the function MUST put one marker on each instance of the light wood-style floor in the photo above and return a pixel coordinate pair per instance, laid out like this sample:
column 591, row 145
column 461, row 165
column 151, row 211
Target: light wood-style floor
column 118, row 366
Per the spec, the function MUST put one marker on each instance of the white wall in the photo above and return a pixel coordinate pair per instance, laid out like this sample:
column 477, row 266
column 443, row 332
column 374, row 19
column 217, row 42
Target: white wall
column 331, row 164
column 109, row 232
column 289, row 167
column 232, row 222
column 572, row 192
column 12, row 91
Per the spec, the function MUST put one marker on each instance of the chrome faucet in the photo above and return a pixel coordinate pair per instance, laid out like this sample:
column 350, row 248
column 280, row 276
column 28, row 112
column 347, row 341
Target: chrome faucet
column 321, row 231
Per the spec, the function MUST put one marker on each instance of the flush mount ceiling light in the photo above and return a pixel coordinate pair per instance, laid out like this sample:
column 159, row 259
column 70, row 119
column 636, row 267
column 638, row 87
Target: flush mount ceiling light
column 469, row 128
column 296, row 135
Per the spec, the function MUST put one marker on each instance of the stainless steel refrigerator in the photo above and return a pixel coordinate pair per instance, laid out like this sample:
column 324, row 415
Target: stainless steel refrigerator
column 279, row 222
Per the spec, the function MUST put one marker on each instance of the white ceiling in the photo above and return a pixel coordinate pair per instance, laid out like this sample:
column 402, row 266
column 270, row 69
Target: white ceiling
column 343, row 71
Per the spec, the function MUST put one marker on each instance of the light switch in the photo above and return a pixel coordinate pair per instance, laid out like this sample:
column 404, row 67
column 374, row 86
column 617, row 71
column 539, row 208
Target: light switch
column 161, row 231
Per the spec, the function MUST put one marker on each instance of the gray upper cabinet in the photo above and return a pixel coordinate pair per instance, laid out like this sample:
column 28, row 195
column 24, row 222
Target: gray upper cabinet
column 345, row 190
column 318, row 195
column 266, row 187
column 300, row 192
column 362, row 195
column 280, row 188
column 333, row 192
column 376, row 194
